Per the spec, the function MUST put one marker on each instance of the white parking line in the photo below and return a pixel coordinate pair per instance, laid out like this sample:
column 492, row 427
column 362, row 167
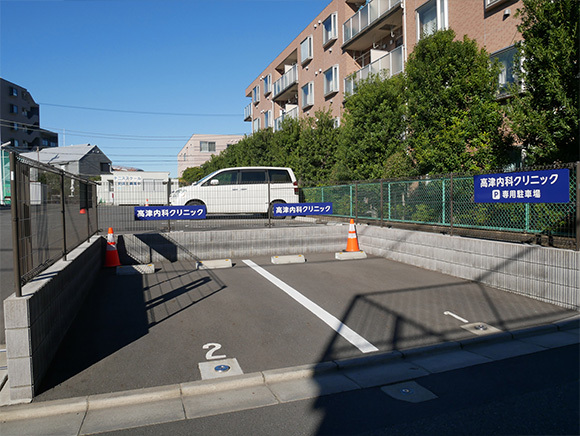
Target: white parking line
column 347, row 333
column 455, row 316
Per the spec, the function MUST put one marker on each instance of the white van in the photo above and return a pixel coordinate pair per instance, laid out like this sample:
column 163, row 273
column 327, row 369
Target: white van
column 240, row 190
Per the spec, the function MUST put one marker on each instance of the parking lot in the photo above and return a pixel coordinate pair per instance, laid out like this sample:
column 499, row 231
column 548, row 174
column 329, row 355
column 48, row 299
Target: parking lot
column 140, row 331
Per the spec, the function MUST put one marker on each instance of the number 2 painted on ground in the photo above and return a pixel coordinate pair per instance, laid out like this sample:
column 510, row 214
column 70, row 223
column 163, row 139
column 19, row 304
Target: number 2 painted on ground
column 213, row 347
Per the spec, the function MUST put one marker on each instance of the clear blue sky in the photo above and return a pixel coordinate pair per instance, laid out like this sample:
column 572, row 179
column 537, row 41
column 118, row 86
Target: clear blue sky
column 186, row 63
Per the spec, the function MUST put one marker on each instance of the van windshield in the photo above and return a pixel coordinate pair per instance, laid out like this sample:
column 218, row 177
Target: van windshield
column 199, row 182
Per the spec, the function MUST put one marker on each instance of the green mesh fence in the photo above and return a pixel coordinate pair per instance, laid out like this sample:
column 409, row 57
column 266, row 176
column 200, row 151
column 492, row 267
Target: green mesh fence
column 446, row 201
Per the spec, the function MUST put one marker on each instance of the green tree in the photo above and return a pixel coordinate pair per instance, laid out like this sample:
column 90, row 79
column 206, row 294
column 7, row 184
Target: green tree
column 314, row 156
column 454, row 120
column 190, row 175
column 373, row 127
column 545, row 116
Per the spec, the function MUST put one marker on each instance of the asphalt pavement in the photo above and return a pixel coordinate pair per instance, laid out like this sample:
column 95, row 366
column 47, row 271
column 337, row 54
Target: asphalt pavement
column 437, row 391
column 153, row 330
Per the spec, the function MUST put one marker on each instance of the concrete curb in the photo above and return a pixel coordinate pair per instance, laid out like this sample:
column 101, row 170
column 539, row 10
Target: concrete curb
column 290, row 384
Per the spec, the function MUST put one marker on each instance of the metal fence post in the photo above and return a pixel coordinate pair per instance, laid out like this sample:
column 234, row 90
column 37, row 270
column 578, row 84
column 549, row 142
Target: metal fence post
column 443, row 202
column 527, row 212
column 389, row 194
column 15, row 235
column 270, row 209
column 89, row 187
column 382, row 205
column 62, row 211
column 577, row 207
column 350, row 202
column 356, row 201
column 168, row 197
column 451, row 205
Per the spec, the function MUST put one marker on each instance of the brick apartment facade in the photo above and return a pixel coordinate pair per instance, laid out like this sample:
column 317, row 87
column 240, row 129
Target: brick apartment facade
column 351, row 38
column 20, row 120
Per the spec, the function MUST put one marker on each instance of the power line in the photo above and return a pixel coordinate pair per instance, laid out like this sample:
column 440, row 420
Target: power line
column 174, row 114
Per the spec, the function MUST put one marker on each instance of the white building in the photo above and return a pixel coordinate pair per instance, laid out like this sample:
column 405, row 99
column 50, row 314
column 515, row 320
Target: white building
column 135, row 188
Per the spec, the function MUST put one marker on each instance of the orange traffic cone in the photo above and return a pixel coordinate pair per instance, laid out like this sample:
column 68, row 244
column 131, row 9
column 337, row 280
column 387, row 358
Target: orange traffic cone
column 111, row 255
column 352, row 241
column 147, row 202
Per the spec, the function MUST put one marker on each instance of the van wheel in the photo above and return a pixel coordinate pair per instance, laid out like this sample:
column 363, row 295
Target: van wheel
column 194, row 203
column 271, row 210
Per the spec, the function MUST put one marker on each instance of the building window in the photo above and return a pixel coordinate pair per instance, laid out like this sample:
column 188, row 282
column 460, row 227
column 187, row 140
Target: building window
column 45, row 142
column 13, row 91
column 308, row 95
column 336, row 123
column 432, row 16
column 14, row 126
column 491, row 3
column 267, row 119
column 256, row 94
column 184, row 157
column 329, row 27
column 331, row 80
column 15, row 142
column 207, row 146
column 105, row 167
column 306, row 50
column 256, row 125
column 13, row 109
column 268, row 84
column 508, row 73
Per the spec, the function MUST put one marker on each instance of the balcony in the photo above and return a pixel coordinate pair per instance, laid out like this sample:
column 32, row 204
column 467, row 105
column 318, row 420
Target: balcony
column 292, row 113
column 287, row 85
column 387, row 13
column 393, row 62
column 248, row 112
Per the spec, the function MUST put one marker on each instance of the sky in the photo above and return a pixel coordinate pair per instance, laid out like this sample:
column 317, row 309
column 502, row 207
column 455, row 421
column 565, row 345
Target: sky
column 139, row 77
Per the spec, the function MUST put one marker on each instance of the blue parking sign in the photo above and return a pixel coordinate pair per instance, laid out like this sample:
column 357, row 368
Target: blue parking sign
column 545, row 186
column 147, row 213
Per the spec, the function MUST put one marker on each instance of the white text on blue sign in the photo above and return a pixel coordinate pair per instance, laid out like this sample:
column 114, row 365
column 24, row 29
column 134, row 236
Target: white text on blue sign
column 545, row 186
column 294, row 209
column 145, row 213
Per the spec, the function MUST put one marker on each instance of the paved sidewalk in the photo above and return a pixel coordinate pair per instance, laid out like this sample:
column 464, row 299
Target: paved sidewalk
column 131, row 409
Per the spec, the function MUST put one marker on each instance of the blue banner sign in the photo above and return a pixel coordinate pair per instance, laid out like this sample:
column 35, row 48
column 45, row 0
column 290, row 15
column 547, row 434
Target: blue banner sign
column 144, row 213
column 546, row 186
column 293, row 209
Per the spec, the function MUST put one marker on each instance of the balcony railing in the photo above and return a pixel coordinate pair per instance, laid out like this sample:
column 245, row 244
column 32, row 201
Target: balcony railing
column 292, row 113
column 366, row 16
column 286, row 81
column 248, row 112
column 393, row 62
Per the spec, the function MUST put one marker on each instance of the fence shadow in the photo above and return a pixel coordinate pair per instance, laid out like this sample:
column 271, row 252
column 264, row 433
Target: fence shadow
column 405, row 318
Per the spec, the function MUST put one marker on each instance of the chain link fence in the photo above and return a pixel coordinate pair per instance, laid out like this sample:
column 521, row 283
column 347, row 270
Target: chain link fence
column 53, row 212
column 447, row 203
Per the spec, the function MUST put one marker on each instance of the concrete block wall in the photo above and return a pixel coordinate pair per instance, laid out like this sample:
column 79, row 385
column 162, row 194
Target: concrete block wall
column 37, row 322
column 544, row 273
column 221, row 244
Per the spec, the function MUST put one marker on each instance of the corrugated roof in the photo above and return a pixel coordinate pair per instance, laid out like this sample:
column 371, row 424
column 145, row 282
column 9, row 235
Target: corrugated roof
column 61, row 155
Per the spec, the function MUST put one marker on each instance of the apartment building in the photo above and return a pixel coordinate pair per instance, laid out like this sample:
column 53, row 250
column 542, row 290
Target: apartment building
column 200, row 148
column 20, row 120
column 351, row 39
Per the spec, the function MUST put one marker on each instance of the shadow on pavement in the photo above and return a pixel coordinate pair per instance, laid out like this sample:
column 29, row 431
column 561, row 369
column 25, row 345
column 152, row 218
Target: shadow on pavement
column 120, row 309
column 406, row 318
